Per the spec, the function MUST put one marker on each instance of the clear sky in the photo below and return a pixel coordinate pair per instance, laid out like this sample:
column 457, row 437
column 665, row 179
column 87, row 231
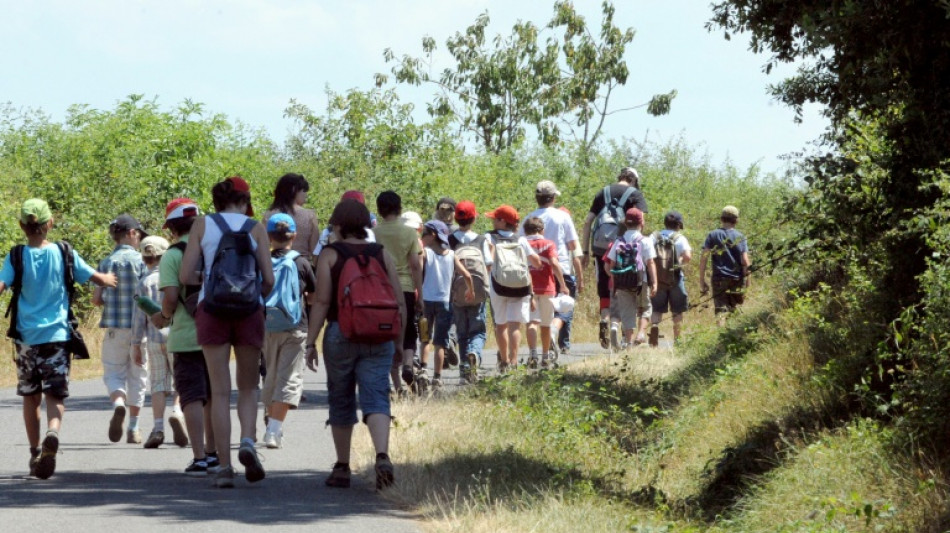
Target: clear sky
column 247, row 59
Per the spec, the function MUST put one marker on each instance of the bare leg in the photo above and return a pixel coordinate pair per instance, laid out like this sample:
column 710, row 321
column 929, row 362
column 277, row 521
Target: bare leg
column 195, row 423
column 54, row 412
column 514, row 342
column 533, row 336
column 134, row 410
column 501, row 337
column 439, row 359
column 248, row 377
column 216, row 357
column 278, row 410
column 677, row 326
column 342, row 437
column 545, row 339
column 210, row 446
column 31, row 418
column 378, row 425
column 158, row 405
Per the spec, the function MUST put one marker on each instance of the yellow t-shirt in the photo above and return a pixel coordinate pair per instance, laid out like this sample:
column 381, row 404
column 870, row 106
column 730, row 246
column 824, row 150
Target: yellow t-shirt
column 400, row 241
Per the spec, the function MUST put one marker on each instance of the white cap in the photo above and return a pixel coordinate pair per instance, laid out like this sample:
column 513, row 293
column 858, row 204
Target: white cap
column 412, row 219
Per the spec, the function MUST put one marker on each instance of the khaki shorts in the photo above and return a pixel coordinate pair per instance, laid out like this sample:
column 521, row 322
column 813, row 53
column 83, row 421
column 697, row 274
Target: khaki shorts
column 631, row 306
column 544, row 310
column 284, row 357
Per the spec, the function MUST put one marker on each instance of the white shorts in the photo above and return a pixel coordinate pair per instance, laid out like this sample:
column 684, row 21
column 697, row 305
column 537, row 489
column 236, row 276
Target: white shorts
column 544, row 311
column 119, row 371
column 505, row 309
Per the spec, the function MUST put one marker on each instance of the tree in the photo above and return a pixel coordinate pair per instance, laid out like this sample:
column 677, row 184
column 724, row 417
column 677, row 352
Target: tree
column 500, row 88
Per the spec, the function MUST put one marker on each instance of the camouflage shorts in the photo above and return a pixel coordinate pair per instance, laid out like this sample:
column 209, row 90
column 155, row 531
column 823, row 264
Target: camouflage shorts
column 42, row 368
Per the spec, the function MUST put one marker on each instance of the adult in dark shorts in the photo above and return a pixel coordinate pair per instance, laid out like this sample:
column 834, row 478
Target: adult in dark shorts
column 671, row 287
column 730, row 262
column 188, row 366
column 627, row 178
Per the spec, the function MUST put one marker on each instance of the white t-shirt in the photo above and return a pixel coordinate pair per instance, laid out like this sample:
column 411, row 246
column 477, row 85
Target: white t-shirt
column 437, row 283
column 647, row 249
column 681, row 245
column 211, row 238
column 558, row 227
column 528, row 250
column 324, row 239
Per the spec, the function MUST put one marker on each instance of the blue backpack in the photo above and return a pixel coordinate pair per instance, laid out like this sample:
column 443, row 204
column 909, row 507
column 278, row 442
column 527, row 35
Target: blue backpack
column 282, row 305
column 233, row 287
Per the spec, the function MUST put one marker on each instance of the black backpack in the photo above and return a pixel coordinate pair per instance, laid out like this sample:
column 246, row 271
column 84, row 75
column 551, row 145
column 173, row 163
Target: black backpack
column 188, row 295
column 233, row 287
column 76, row 345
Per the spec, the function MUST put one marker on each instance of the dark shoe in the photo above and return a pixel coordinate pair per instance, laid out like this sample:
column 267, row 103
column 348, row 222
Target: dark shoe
column 384, row 472
column 213, row 463
column 339, row 477
column 654, row 336
column 46, row 464
column 197, row 468
column 224, row 478
column 155, row 439
column 115, row 425
column 253, row 470
column 179, row 435
column 451, row 355
column 602, row 334
column 133, row 436
column 34, row 460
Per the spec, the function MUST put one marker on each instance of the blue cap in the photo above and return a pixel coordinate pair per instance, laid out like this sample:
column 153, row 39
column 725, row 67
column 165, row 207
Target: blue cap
column 440, row 230
column 281, row 217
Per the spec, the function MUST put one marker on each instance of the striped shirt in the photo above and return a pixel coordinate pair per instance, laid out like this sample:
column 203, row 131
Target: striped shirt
column 142, row 327
column 127, row 265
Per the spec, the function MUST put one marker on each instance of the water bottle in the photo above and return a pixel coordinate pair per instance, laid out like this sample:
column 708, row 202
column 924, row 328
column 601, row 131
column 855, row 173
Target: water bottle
column 423, row 330
column 146, row 304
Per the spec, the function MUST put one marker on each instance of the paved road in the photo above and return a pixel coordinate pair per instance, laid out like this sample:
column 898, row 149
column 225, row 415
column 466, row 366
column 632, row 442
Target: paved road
column 100, row 486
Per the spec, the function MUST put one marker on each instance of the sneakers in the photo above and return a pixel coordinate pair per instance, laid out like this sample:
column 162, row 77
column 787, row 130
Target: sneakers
column 654, row 336
column 421, row 382
column 452, row 354
column 155, row 439
column 224, row 478
column 602, row 334
column 179, row 435
column 273, row 441
column 46, row 462
column 213, row 463
column 247, row 455
column 384, row 471
column 197, row 468
column 339, row 477
column 115, row 424
column 615, row 339
column 533, row 362
column 34, row 460
column 555, row 351
column 436, row 384
column 133, row 436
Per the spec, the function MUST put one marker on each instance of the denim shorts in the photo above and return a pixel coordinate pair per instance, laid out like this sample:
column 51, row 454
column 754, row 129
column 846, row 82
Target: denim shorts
column 349, row 365
column 672, row 299
column 439, row 315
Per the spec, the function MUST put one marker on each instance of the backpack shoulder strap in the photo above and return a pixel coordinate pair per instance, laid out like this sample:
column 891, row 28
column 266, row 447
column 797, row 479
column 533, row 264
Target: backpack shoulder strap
column 68, row 279
column 607, row 199
column 292, row 255
column 626, row 196
column 248, row 225
column 180, row 246
column 220, row 222
column 16, row 260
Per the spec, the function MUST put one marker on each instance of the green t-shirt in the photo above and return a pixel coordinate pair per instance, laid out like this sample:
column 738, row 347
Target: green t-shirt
column 400, row 241
column 183, row 334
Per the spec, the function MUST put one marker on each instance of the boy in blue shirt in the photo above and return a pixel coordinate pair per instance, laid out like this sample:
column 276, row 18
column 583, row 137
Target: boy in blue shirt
column 730, row 264
column 42, row 325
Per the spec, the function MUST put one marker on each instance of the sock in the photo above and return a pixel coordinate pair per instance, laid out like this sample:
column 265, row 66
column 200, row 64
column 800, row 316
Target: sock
column 247, row 441
column 159, row 424
column 274, row 426
column 133, row 423
column 437, row 375
column 118, row 401
column 176, row 410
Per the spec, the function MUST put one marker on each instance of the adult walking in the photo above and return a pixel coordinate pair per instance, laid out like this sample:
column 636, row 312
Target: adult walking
column 290, row 195
column 234, row 319
column 351, row 363
column 602, row 226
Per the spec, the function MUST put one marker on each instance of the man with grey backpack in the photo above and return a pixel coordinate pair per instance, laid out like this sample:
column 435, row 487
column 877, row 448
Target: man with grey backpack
column 673, row 252
column 603, row 225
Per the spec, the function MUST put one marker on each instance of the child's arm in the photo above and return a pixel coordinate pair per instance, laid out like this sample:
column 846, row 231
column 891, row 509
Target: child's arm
column 469, row 286
column 651, row 273
column 103, row 279
column 559, row 276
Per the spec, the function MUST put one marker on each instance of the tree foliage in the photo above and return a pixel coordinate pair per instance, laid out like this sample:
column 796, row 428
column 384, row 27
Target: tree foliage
column 501, row 87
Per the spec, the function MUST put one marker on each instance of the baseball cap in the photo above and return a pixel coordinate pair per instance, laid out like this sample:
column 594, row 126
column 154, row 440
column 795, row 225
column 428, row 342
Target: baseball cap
column 125, row 222
column 506, row 213
column 354, row 195
column 153, row 246
column 629, row 173
column 180, row 208
column 547, row 188
column 465, row 210
column 35, row 211
column 634, row 216
column 439, row 229
column 730, row 211
column 240, row 185
column 411, row 219
column 277, row 218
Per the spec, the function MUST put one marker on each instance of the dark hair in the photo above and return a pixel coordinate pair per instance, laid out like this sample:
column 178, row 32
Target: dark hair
column 35, row 228
column 352, row 217
column 729, row 219
column 286, row 192
column 533, row 226
column 181, row 226
column 465, row 221
column 388, row 203
column 544, row 199
column 281, row 233
column 224, row 195
column 672, row 221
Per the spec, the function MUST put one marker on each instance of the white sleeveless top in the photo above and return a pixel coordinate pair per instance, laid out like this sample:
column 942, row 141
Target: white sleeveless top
column 211, row 238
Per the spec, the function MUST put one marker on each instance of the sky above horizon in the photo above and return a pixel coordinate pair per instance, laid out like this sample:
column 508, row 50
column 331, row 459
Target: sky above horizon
column 247, row 59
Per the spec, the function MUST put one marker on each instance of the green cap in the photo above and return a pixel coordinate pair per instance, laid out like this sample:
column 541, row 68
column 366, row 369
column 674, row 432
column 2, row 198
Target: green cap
column 35, row 211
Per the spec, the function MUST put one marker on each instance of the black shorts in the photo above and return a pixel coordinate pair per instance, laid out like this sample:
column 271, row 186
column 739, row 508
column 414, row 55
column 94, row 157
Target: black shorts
column 191, row 377
column 411, row 336
column 42, row 368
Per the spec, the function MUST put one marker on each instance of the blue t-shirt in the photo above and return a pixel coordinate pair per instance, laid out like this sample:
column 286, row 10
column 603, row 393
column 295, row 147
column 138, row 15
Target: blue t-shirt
column 727, row 247
column 44, row 304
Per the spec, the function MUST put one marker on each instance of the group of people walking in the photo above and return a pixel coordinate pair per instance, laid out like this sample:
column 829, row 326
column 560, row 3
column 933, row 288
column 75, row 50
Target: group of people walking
column 389, row 292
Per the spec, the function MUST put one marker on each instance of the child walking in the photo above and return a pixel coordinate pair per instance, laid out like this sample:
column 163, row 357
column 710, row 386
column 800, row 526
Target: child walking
column 40, row 327
column 629, row 263
column 543, row 282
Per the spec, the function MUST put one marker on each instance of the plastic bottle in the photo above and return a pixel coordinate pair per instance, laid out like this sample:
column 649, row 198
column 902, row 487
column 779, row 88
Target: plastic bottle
column 146, row 304
column 423, row 330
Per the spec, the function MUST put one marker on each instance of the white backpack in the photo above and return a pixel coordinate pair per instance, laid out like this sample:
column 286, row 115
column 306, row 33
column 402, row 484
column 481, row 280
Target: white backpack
column 510, row 275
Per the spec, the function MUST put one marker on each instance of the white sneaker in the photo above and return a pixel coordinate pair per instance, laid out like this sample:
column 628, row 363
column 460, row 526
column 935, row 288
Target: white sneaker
column 273, row 441
column 615, row 339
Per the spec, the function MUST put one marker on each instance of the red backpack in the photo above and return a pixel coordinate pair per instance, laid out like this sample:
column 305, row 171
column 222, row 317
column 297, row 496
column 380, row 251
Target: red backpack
column 367, row 305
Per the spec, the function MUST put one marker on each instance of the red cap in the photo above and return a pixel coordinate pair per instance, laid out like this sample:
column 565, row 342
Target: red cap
column 506, row 213
column 465, row 210
column 635, row 216
column 353, row 195
column 180, row 208
column 240, row 185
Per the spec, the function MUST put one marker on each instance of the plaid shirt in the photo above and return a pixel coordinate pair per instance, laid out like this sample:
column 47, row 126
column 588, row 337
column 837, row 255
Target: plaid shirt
column 127, row 265
column 142, row 327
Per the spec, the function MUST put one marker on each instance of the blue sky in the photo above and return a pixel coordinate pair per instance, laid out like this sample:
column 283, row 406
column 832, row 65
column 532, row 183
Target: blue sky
column 247, row 59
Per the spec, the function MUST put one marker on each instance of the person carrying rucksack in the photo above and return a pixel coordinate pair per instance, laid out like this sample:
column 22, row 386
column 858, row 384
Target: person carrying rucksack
column 237, row 274
column 730, row 264
column 357, row 287
column 672, row 254
column 285, row 311
column 604, row 223
column 510, row 290
column 473, row 251
column 629, row 263
column 40, row 326
column 547, row 282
